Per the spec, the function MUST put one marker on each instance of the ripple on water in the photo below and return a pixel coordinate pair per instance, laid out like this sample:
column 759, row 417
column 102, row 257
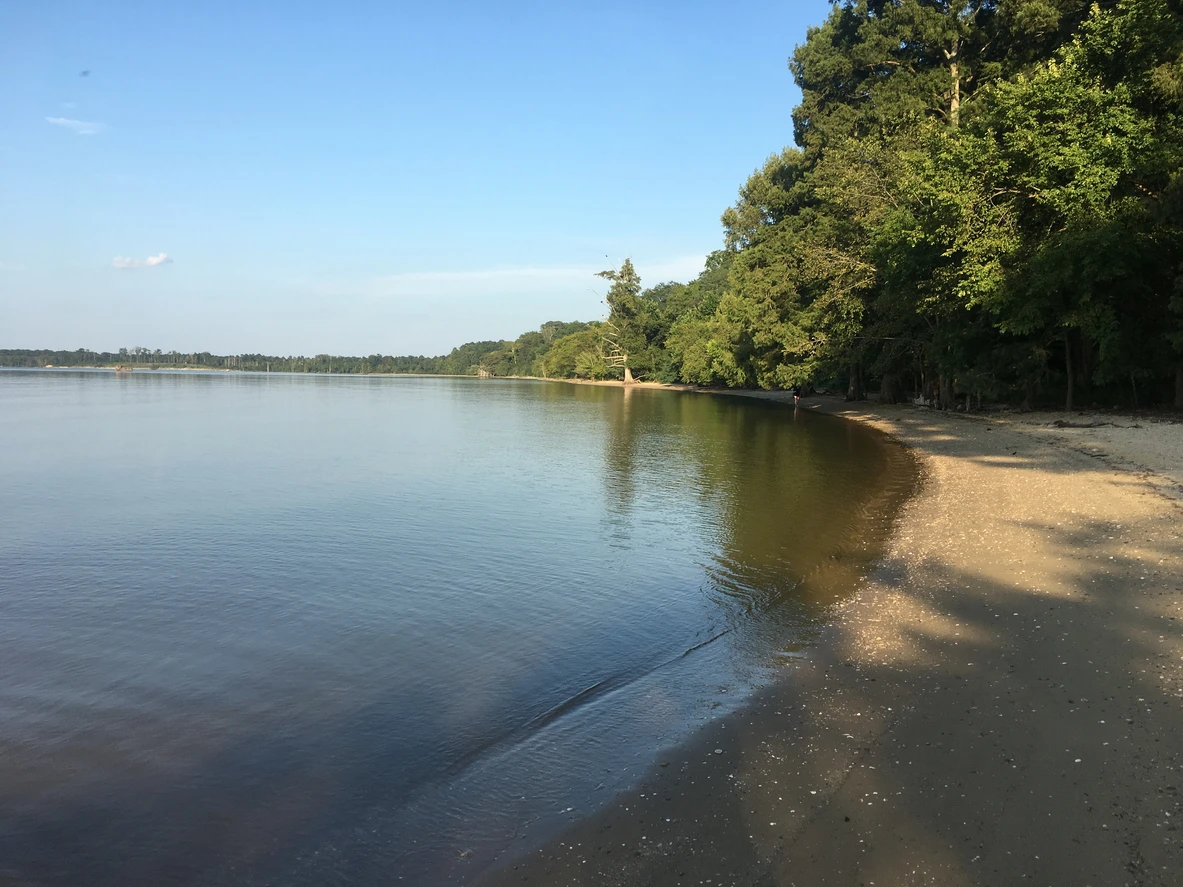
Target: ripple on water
column 285, row 629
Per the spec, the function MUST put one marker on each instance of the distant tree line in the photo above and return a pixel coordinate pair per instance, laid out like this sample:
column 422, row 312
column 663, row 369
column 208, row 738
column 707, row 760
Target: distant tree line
column 473, row 358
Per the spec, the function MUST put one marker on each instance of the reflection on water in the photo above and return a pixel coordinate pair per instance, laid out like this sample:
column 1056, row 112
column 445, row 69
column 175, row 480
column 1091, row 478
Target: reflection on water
column 309, row 630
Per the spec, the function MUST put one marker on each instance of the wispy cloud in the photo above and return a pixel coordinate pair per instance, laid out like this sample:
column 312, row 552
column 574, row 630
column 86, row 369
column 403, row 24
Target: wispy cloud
column 125, row 264
column 81, row 127
column 495, row 282
column 68, row 105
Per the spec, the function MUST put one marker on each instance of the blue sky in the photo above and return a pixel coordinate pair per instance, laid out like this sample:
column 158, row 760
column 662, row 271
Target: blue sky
column 368, row 176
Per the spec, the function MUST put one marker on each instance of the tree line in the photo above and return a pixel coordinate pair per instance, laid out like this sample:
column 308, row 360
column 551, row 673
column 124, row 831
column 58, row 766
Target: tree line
column 984, row 202
column 464, row 360
column 495, row 357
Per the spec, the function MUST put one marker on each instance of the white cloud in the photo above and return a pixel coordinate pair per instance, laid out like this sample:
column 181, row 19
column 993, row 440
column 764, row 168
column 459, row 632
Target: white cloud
column 522, row 280
column 126, row 264
column 68, row 104
column 81, row 127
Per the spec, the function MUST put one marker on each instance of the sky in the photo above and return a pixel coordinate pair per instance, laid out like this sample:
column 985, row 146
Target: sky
column 368, row 177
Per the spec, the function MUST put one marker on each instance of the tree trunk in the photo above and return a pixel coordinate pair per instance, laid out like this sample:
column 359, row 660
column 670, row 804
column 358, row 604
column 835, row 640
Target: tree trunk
column 946, row 391
column 1068, row 369
column 955, row 76
column 955, row 101
column 1179, row 385
column 855, row 389
column 628, row 375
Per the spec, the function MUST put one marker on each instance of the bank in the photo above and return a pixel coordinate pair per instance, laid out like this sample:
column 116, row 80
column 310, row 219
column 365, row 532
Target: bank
column 1000, row 703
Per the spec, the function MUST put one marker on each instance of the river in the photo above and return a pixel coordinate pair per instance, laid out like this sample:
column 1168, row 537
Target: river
column 283, row 629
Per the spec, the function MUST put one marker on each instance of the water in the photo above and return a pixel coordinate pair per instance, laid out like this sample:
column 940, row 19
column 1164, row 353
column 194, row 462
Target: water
column 270, row 629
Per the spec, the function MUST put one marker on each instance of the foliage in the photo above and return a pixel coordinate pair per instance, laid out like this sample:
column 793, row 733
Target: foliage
column 985, row 200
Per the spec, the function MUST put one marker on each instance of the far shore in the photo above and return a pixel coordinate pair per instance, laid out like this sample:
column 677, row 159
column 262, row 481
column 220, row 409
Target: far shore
column 1000, row 703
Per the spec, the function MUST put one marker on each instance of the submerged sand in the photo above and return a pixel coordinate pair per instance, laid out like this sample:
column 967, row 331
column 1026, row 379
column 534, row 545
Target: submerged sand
column 1000, row 703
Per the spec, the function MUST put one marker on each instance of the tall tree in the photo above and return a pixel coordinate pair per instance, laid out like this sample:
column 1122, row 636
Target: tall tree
column 627, row 331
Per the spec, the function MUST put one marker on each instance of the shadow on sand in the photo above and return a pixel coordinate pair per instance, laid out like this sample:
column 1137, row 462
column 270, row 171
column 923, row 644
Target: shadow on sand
column 1003, row 704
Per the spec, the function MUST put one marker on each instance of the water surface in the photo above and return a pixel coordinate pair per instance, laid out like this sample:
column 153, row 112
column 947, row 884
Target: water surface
column 271, row 629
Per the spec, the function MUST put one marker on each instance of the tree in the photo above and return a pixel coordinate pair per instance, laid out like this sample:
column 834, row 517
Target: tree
column 624, row 339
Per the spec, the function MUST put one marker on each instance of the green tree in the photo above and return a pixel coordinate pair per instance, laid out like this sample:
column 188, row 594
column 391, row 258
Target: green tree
column 629, row 331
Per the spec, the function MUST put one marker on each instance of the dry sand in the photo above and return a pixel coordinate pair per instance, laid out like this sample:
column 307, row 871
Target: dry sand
column 1150, row 446
column 1001, row 702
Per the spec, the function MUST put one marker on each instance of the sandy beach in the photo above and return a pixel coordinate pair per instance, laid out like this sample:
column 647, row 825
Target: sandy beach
column 1000, row 703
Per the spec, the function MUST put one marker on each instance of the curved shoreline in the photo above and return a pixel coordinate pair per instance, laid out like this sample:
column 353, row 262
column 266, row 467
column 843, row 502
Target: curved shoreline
column 1001, row 702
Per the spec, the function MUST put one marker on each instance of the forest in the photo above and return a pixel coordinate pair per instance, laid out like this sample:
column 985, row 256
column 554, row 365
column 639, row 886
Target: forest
column 984, row 202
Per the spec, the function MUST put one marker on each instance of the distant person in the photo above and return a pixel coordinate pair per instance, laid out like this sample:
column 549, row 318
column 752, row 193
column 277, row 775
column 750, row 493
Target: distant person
column 796, row 389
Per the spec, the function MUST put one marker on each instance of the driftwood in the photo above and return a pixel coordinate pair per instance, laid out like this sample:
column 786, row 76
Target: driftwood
column 1061, row 423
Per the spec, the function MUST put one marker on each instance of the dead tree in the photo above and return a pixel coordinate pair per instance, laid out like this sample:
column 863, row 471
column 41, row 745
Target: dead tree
column 613, row 355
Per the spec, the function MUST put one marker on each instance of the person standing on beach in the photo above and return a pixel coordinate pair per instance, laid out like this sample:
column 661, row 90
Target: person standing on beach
column 796, row 389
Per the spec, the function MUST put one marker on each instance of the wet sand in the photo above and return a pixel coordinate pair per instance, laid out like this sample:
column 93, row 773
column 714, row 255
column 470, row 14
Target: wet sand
column 1000, row 703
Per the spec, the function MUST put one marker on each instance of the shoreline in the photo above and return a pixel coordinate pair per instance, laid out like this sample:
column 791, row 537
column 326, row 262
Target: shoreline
column 1000, row 702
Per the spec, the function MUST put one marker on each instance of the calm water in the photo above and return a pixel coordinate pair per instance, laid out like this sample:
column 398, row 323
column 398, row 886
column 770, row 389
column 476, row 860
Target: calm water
column 328, row 630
